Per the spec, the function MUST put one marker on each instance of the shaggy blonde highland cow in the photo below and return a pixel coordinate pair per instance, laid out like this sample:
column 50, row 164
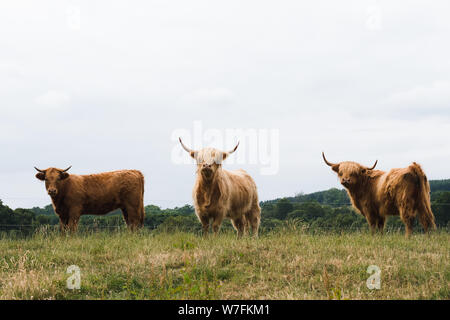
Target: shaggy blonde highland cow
column 377, row 194
column 219, row 193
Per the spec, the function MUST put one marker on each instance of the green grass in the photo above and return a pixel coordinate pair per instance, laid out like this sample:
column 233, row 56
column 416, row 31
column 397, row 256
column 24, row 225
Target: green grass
column 283, row 264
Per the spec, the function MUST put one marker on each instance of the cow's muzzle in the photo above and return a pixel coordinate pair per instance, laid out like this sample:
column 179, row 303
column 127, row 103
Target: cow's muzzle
column 52, row 192
column 207, row 172
column 345, row 183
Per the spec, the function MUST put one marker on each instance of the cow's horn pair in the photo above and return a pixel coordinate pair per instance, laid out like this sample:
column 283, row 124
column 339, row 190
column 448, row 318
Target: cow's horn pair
column 333, row 164
column 192, row 152
column 43, row 171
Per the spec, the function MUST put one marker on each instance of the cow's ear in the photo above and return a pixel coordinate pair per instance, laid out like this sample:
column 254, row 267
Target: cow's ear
column 40, row 176
column 64, row 175
column 193, row 154
column 335, row 168
column 225, row 155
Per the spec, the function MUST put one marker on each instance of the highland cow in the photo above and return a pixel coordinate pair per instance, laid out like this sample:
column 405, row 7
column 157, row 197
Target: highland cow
column 377, row 194
column 219, row 193
column 96, row 194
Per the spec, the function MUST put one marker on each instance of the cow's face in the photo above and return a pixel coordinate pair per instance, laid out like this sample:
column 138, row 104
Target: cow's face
column 53, row 178
column 209, row 160
column 349, row 173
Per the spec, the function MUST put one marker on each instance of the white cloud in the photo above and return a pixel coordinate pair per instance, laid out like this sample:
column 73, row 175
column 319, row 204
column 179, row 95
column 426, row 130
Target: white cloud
column 11, row 70
column 312, row 70
column 425, row 99
column 53, row 99
column 211, row 97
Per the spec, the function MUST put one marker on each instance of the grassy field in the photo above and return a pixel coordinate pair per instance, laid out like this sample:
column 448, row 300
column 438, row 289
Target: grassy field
column 286, row 264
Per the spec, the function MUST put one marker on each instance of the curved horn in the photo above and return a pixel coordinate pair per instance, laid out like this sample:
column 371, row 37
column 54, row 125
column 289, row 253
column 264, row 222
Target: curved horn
column 225, row 154
column 67, row 169
column 373, row 166
column 43, row 171
column 326, row 161
column 184, row 147
column 233, row 150
column 191, row 152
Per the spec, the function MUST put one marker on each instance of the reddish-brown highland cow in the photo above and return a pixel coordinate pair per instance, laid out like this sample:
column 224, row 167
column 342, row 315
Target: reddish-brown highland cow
column 377, row 194
column 219, row 193
column 97, row 194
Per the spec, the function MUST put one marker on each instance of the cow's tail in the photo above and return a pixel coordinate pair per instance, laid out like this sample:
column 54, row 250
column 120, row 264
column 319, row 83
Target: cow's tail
column 142, row 209
column 423, row 205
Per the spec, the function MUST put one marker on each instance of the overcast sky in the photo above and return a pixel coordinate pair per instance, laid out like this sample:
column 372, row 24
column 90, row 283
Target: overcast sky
column 105, row 85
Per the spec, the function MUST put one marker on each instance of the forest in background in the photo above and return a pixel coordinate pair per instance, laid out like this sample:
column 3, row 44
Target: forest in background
column 324, row 210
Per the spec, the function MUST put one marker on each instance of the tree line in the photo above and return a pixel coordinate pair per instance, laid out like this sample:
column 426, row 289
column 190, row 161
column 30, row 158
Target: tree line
column 324, row 210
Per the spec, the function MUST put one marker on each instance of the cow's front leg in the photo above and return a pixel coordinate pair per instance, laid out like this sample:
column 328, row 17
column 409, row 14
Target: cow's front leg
column 74, row 217
column 217, row 222
column 63, row 222
column 238, row 224
column 381, row 223
column 372, row 221
column 204, row 219
column 73, row 224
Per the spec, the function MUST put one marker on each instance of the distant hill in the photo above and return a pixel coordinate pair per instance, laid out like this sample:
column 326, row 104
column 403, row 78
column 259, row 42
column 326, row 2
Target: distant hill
column 440, row 185
column 47, row 210
column 332, row 197
column 329, row 210
column 338, row 197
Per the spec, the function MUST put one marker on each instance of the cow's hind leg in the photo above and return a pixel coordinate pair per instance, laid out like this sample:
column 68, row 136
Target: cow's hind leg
column 409, row 223
column 253, row 220
column 133, row 217
column 141, row 215
column 125, row 214
column 407, row 214
column 136, row 217
column 426, row 217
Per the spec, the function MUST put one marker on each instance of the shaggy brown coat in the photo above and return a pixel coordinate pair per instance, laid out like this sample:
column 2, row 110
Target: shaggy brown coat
column 219, row 193
column 96, row 194
column 377, row 194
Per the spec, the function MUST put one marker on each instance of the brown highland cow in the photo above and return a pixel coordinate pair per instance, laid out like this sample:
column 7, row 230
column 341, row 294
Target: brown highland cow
column 219, row 193
column 97, row 194
column 377, row 194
